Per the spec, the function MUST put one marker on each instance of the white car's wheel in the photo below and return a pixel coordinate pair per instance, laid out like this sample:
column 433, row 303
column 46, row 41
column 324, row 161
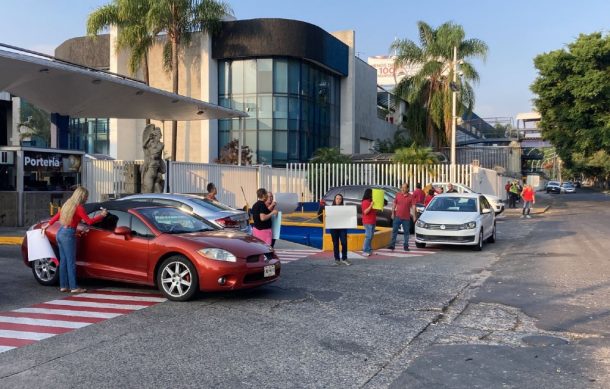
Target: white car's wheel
column 479, row 245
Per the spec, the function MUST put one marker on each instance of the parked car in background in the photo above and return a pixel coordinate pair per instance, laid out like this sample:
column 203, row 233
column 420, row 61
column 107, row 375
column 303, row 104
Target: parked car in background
column 568, row 187
column 219, row 213
column 457, row 219
column 553, row 187
column 352, row 195
column 496, row 202
column 156, row 245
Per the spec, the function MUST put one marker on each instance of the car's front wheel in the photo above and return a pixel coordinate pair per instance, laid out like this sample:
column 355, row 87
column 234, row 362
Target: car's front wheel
column 177, row 278
column 479, row 245
column 46, row 271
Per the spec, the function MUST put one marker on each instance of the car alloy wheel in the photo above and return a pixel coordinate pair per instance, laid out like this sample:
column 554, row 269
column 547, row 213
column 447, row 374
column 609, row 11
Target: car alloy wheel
column 479, row 245
column 45, row 271
column 177, row 278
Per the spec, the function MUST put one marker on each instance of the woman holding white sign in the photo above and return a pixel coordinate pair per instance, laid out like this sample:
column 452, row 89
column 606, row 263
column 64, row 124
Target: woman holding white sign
column 69, row 216
column 339, row 234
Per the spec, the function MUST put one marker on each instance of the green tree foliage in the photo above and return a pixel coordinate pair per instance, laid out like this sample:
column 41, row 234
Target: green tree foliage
column 573, row 88
column 178, row 19
column 329, row 155
column 415, row 155
column 35, row 124
column 399, row 140
column 428, row 92
column 133, row 33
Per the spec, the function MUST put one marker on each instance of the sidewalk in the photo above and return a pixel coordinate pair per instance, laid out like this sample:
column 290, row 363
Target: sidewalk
column 543, row 204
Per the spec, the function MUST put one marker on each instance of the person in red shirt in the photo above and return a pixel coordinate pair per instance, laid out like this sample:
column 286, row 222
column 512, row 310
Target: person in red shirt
column 369, row 219
column 418, row 194
column 529, row 197
column 429, row 197
column 71, row 213
column 402, row 209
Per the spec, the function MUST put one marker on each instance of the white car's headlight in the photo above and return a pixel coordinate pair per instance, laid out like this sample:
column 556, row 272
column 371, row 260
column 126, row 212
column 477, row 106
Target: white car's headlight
column 421, row 224
column 218, row 254
column 468, row 226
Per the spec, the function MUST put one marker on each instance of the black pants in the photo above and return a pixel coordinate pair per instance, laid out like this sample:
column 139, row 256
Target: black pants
column 336, row 235
column 513, row 200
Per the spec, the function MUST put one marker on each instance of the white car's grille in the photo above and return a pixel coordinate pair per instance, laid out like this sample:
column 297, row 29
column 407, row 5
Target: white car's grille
column 445, row 227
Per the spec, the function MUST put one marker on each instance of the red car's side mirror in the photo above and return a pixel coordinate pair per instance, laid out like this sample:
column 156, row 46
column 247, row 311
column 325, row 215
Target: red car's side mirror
column 125, row 231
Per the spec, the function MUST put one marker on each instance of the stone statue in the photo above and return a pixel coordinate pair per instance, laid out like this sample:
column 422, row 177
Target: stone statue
column 154, row 165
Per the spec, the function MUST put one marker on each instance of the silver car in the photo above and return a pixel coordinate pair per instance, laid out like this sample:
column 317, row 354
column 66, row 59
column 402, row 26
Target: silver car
column 219, row 213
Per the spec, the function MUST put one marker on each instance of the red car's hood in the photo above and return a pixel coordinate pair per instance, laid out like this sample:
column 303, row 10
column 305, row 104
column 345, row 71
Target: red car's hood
column 238, row 243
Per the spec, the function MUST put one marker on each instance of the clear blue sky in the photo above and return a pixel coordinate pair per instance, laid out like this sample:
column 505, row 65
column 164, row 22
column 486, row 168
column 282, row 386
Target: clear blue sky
column 515, row 30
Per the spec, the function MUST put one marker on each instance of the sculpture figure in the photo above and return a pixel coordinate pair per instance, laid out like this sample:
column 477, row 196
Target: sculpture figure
column 154, row 165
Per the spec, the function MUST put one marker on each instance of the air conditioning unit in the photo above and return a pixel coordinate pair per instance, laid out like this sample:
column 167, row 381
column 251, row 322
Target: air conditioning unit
column 7, row 157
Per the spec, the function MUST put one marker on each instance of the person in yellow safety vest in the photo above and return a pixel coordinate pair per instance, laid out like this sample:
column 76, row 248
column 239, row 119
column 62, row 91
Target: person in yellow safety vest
column 514, row 193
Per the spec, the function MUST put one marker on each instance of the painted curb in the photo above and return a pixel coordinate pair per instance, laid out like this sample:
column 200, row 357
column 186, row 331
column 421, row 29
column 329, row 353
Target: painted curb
column 11, row 240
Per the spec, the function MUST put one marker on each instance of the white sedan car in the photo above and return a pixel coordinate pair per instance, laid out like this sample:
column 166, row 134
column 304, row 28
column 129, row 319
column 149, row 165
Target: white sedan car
column 496, row 202
column 457, row 219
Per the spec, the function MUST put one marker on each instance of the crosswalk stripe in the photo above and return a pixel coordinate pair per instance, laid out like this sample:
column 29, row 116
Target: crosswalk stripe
column 69, row 312
column 87, row 299
column 34, row 328
column 43, row 322
column 49, row 316
column 90, row 304
column 12, row 342
column 400, row 255
column 5, row 348
column 104, row 296
column 25, row 335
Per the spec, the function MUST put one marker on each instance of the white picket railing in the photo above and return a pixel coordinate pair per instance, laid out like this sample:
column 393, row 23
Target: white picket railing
column 309, row 181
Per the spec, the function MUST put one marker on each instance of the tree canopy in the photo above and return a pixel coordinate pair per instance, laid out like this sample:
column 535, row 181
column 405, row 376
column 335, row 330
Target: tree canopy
column 573, row 98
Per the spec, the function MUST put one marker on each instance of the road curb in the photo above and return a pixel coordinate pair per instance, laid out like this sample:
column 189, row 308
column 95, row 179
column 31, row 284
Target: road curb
column 8, row 240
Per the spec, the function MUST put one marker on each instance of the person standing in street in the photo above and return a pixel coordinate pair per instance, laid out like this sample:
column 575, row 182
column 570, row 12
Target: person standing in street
column 514, row 193
column 529, row 198
column 339, row 235
column 402, row 209
column 270, row 203
column 262, row 218
column 369, row 220
column 212, row 191
column 507, row 189
column 69, row 216
column 418, row 194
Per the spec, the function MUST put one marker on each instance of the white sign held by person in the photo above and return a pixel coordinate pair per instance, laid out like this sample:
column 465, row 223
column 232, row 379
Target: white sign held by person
column 39, row 246
column 286, row 202
column 341, row 216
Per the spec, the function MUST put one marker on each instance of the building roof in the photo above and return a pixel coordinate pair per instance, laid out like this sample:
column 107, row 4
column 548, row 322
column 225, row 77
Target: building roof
column 77, row 91
column 529, row 116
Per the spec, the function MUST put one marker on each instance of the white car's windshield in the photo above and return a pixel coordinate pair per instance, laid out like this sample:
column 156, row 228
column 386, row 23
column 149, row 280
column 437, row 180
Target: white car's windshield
column 453, row 204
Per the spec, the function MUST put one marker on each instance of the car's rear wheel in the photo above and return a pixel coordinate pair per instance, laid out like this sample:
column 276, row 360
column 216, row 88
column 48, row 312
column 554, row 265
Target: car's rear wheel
column 420, row 245
column 479, row 245
column 177, row 278
column 46, row 271
column 492, row 237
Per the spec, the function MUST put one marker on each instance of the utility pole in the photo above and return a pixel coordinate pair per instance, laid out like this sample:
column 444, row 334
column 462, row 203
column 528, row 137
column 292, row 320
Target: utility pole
column 453, row 114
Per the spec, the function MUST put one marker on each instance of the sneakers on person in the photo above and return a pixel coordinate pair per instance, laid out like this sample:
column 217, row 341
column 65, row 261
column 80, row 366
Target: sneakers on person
column 78, row 290
column 336, row 262
column 522, row 216
column 391, row 248
column 346, row 262
column 366, row 254
column 407, row 249
column 528, row 216
column 63, row 290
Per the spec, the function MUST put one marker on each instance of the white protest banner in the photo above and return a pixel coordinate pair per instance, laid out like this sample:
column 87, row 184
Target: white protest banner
column 276, row 225
column 286, row 202
column 39, row 246
column 341, row 216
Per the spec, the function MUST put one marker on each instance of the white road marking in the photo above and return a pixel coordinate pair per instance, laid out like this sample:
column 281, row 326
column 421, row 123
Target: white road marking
column 42, row 322
column 68, row 312
column 92, row 304
column 24, row 335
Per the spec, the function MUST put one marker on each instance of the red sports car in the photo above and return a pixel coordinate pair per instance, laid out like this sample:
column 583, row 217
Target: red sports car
column 162, row 246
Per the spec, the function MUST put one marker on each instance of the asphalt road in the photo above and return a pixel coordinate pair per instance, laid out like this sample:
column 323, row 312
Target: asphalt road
column 529, row 310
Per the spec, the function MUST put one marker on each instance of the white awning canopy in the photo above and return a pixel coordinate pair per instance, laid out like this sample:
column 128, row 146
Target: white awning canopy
column 529, row 116
column 79, row 92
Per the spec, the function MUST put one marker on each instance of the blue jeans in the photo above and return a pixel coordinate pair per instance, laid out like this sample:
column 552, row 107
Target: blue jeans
column 406, row 226
column 527, row 206
column 66, row 240
column 339, row 235
column 369, row 229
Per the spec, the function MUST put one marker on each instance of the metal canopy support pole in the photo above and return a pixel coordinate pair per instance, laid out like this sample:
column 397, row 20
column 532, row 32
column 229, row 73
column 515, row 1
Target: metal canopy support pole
column 239, row 140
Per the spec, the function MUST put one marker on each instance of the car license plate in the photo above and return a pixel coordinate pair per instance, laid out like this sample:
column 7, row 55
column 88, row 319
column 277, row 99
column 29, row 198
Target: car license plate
column 269, row 271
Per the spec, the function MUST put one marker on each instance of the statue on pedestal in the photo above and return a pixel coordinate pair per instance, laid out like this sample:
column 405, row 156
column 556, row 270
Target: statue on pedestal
column 154, row 165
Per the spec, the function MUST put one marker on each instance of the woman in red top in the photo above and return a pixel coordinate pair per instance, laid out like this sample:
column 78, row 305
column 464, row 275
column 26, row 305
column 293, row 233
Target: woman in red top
column 429, row 197
column 369, row 219
column 69, row 216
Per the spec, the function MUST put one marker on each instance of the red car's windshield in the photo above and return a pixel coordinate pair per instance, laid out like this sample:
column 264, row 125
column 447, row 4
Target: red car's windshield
column 174, row 221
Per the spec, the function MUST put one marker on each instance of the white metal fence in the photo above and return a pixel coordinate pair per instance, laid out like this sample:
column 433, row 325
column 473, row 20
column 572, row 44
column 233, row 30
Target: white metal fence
column 309, row 181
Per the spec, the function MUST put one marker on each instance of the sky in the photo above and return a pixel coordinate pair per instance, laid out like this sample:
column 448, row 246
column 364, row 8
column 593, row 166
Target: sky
column 515, row 31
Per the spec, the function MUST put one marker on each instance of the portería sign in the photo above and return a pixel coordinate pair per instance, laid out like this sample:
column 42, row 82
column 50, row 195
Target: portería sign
column 47, row 161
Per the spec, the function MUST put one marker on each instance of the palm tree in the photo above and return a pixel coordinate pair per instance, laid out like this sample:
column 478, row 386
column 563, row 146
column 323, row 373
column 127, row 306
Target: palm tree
column 329, row 155
column 178, row 19
column 428, row 92
column 37, row 125
column 130, row 17
column 415, row 155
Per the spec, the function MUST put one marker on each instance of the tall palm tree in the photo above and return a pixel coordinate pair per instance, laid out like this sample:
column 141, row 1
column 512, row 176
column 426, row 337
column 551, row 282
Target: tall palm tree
column 178, row 19
column 133, row 34
column 415, row 155
column 428, row 92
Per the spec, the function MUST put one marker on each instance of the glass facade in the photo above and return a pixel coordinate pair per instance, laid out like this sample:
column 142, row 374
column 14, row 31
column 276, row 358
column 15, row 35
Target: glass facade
column 89, row 135
column 294, row 107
